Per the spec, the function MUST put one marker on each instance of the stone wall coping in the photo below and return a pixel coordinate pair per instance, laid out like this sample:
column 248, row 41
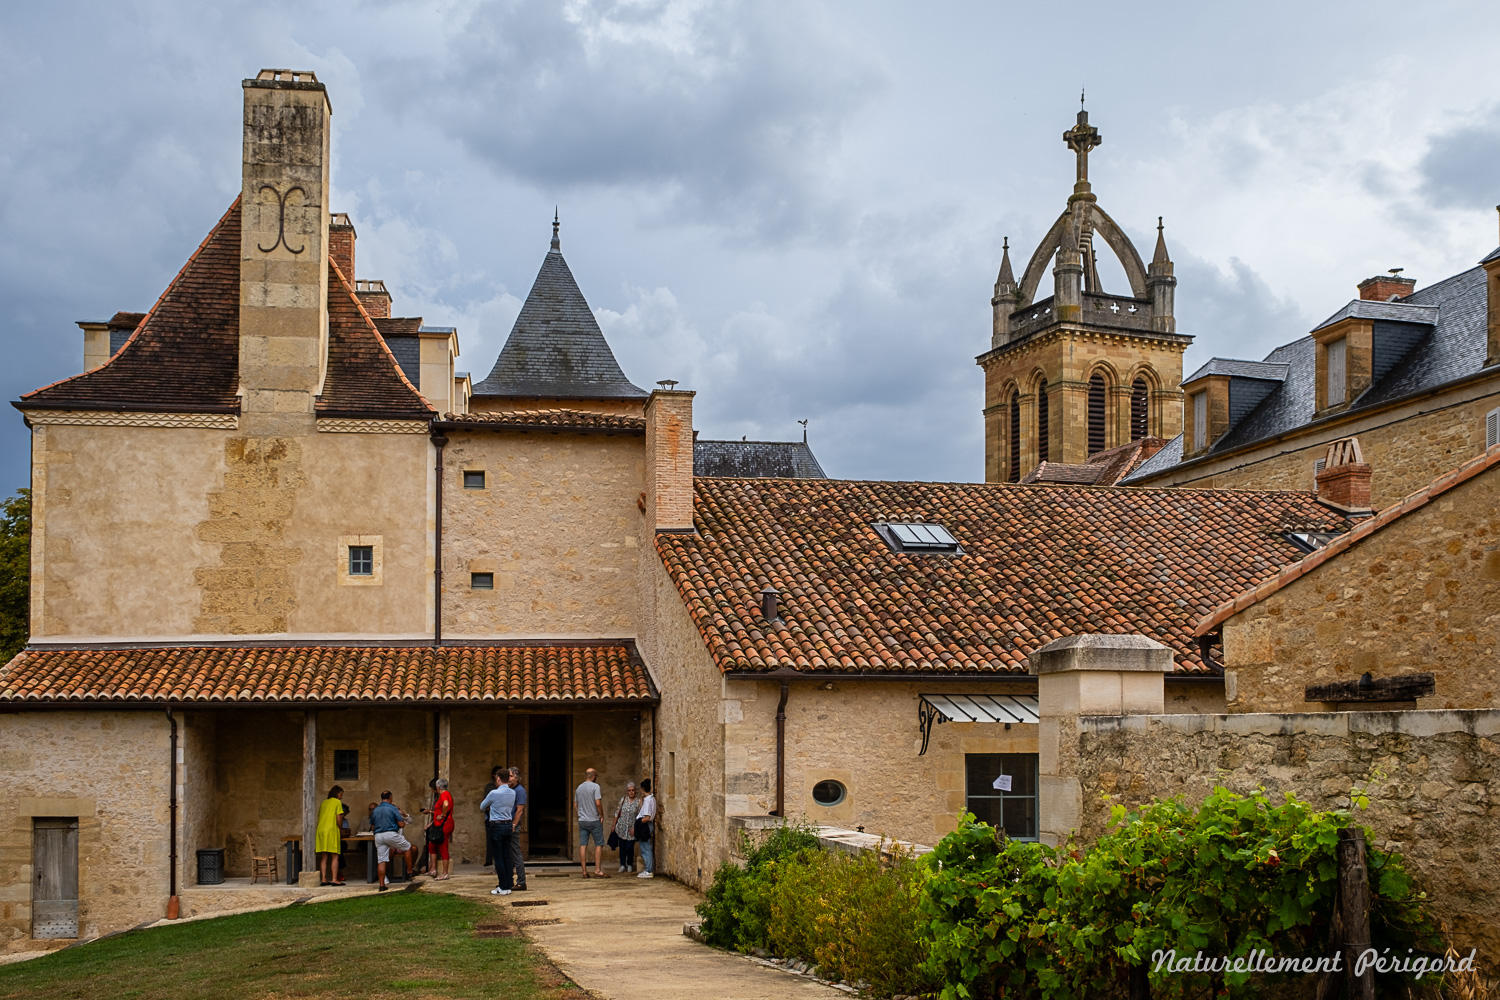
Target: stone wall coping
column 1132, row 653
column 1483, row 722
column 833, row 838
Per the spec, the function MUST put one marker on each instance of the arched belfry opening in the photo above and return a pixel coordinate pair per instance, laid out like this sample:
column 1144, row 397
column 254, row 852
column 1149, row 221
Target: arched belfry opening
column 1103, row 309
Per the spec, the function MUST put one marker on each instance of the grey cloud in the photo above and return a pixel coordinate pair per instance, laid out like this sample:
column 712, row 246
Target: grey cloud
column 1459, row 168
column 1232, row 316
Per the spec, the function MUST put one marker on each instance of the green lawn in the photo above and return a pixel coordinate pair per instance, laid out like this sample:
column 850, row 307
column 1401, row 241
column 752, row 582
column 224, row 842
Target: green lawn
column 401, row 944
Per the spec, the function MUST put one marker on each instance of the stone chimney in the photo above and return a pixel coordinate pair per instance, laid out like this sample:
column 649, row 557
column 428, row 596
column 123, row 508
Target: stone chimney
column 1491, row 266
column 341, row 236
column 283, row 250
column 1385, row 287
column 374, row 297
column 669, row 460
column 1344, row 480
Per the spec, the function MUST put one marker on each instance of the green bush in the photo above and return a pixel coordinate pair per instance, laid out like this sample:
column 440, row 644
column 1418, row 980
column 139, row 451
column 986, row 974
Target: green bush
column 734, row 909
column 1237, row 874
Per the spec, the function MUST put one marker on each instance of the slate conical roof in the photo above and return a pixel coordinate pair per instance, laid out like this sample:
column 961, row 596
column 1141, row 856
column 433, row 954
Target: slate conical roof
column 556, row 348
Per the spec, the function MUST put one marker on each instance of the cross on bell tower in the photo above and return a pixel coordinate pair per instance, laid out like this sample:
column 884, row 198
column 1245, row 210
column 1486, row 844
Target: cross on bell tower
column 1082, row 138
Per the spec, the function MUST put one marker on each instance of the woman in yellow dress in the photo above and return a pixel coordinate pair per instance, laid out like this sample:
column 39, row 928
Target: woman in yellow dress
column 329, row 842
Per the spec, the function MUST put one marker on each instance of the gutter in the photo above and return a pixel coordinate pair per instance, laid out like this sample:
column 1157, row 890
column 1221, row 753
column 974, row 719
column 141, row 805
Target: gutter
column 440, row 441
column 174, row 905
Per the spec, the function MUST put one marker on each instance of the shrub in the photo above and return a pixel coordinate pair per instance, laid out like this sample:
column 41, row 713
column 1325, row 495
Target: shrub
column 734, row 909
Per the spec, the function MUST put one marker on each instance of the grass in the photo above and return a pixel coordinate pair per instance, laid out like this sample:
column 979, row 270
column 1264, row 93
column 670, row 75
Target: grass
column 407, row 944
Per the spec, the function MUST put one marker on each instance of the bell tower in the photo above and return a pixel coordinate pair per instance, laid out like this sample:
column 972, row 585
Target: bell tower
column 1082, row 370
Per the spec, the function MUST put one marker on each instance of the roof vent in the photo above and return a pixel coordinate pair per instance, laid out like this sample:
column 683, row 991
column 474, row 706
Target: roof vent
column 769, row 598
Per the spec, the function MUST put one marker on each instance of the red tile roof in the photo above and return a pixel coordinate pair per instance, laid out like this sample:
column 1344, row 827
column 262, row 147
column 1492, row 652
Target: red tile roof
column 185, row 355
column 1038, row 563
column 490, row 675
column 1439, row 486
column 1105, row 468
column 548, row 420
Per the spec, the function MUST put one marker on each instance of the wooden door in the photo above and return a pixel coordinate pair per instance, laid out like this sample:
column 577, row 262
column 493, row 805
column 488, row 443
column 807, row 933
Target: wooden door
column 54, row 896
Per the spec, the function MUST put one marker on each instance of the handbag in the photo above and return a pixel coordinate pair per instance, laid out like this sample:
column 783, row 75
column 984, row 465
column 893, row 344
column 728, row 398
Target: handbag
column 613, row 841
column 435, row 834
column 642, row 830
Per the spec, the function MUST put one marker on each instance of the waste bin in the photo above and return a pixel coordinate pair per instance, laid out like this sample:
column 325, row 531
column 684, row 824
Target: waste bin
column 293, row 861
column 211, row 866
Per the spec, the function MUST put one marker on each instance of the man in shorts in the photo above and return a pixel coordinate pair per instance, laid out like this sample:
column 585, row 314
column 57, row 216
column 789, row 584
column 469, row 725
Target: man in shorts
column 386, row 821
column 590, row 823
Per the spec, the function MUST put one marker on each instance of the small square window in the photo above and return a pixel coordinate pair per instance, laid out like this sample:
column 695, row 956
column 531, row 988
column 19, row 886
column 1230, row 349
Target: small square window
column 361, row 560
column 346, row 765
column 481, row 581
column 473, row 480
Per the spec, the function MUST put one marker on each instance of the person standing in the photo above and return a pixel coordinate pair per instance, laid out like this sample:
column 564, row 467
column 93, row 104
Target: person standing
column 386, row 821
column 645, row 832
column 494, row 782
column 625, row 815
column 517, row 858
column 442, row 822
column 590, row 822
column 329, row 843
column 500, row 807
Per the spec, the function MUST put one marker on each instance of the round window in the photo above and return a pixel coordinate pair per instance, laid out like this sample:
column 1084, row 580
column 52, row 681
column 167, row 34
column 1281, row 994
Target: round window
column 829, row 793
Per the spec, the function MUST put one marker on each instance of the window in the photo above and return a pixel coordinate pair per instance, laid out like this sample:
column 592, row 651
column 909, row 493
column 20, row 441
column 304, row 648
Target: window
column 1334, row 372
column 829, row 793
column 1041, row 423
column 361, row 560
column 1012, row 809
column 346, row 765
column 473, row 479
column 1310, row 541
column 1492, row 428
column 481, row 581
column 1015, row 437
column 1140, row 420
column 917, row 536
column 1096, row 413
column 1200, row 420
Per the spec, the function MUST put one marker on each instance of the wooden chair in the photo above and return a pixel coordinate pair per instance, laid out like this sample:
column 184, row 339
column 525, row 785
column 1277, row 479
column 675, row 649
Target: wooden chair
column 260, row 865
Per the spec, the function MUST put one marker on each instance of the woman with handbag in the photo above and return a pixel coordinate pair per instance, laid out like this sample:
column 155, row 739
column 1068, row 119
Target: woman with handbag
column 440, row 832
column 624, row 831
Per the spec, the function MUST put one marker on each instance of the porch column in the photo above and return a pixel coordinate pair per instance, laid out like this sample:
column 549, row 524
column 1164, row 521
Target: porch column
column 1081, row 675
column 444, row 745
column 309, row 794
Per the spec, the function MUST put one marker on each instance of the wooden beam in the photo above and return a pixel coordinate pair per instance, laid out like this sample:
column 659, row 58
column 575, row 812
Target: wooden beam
column 309, row 790
column 1406, row 687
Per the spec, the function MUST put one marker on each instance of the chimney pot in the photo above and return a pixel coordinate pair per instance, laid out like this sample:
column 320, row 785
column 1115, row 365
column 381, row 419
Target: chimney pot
column 1344, row 480
column 768, row 604
column 341, row 237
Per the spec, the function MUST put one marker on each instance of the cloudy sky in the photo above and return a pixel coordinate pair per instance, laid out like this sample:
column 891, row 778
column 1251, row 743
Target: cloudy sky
column 794, row 208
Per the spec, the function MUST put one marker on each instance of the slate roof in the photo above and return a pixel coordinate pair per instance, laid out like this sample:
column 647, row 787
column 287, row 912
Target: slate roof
column 1039, row 563
column 1452, row 348
column 1484, row 463
column 184, row 356
column 1403, row 311
column 182, row 675
column 555, row 420
column 1239, row 369
column 556, row 348
column 756, row 459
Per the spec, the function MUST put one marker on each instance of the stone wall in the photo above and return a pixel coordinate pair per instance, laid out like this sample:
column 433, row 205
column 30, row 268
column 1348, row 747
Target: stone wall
column 108, row 769
column 1408, row 447
column 1433, row 780
column 556, row 523
column 1422, row 594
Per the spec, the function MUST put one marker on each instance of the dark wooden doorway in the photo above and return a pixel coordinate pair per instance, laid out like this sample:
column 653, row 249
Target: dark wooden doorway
column 549, row 763
column 54, row 891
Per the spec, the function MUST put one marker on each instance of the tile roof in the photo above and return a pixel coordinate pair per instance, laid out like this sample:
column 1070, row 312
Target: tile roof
column 1104, row 468
column 1489, row 460
column 489, row 674
column 1040, row 563
column 758, row 459
column 398, row 326
column 547, row 420
column 556, row 348
column 184, row 356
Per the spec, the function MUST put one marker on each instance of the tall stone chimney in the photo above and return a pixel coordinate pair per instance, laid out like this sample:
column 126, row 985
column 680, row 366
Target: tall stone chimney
column 1344, row 480
column 669, row 460
column 341, row 237
column 284, row 250
column 1386, row 287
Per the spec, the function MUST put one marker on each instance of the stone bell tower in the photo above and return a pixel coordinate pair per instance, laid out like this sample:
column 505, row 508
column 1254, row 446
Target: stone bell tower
column 1082, row 370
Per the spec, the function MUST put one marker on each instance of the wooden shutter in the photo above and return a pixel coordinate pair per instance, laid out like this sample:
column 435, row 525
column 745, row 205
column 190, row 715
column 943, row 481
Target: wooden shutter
column 1200, row 420
column 1139, row 410
column 1492, row 428
column 1335, row 385
column 1041, row 423
column 1015, row 437
column 1096, row 413
column 54, row 895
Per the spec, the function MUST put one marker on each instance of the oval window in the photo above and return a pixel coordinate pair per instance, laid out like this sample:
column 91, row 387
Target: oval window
column 829, row 793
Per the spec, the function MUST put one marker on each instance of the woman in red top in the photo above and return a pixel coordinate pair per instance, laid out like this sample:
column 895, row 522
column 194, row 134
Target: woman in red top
column 442, row 818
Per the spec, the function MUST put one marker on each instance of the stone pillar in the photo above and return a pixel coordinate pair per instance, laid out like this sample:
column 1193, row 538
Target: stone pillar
column 669, row 460
column 1067, row 294
column 1492, row 290
column 445, row 745
column 283, row 250
column 1082, row 675
column 310, row 799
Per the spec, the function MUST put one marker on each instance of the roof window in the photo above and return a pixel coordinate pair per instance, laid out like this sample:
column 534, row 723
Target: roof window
column 917, row 536
column 1311, row 541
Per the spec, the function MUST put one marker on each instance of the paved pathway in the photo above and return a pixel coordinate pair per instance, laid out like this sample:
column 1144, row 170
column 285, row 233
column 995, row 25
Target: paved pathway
column 621, row 938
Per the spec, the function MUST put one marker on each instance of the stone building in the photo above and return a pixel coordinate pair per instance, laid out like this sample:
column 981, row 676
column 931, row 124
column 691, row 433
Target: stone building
column 279, row 542
column 1082, row 370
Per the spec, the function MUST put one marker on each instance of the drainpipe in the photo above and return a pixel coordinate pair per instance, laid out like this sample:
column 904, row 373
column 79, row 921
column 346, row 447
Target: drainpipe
column 174, row 906
column 786, row 687
column 439, row 439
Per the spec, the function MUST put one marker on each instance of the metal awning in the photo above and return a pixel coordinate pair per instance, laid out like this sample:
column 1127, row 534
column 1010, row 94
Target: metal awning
column 973, row 708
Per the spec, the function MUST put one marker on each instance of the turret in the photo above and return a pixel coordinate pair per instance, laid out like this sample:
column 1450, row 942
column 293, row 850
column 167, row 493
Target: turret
column 1004, row 299
column 1162, row 284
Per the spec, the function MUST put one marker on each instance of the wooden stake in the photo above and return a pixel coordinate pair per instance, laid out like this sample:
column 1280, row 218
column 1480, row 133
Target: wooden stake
column 1354, row 904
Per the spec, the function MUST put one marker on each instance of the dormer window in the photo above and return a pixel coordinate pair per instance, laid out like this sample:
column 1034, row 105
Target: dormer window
column 1334, row 379
column 917, row 536
column 1200, row 420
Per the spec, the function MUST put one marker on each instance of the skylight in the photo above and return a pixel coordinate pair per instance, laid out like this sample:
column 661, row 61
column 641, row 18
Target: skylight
column 1311, row 541
column 917, row 536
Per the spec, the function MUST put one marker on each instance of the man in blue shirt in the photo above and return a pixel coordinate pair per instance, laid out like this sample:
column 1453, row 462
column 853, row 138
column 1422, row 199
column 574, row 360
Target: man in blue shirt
column 500, row 807
column 516, row 860
column 386, row 821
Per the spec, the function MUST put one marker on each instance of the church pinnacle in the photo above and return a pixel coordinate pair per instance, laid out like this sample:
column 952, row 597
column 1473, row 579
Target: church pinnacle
column 1081, row 139
column 556, row 243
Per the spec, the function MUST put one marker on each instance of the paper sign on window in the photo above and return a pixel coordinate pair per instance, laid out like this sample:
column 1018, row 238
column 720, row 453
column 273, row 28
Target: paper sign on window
column 1002, row 783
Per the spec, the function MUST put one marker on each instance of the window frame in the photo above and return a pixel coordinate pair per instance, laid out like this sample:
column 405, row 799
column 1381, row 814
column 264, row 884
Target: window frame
column 363, row 557
column 340, row 774
column 475, row 578
column 888, row 532
column 990, row 793
column 474, row 472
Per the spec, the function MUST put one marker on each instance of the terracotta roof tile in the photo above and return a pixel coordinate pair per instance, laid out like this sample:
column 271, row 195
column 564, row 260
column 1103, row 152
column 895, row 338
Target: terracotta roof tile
column 332, row 674
column 364, row 378
column 549, row 420
column 1037, row 563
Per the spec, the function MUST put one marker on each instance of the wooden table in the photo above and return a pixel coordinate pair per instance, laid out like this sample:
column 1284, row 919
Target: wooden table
column 367, row 840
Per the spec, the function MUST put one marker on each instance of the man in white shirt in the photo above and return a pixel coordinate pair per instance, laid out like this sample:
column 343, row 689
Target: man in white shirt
column 645, row 838
column 590, row 822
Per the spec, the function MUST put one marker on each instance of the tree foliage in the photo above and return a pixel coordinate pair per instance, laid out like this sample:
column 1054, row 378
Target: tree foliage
column 15, row 573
